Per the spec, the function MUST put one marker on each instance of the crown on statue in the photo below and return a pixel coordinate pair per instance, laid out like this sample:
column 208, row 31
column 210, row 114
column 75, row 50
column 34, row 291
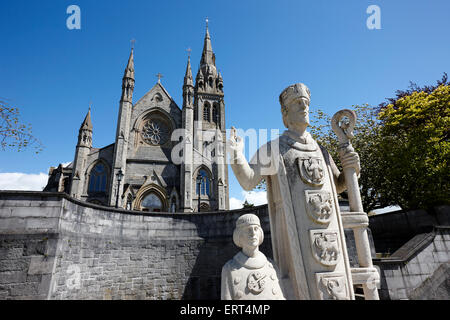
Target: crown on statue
column 294, row 92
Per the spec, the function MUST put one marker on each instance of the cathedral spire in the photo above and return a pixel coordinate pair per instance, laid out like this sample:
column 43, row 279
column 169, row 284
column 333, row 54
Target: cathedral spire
column 208, row 56
column 129, row 70
column 85, row 132
column 188, row 84
column 87, row 123
column 188, row 76
column 83, row 148
column 128, row 79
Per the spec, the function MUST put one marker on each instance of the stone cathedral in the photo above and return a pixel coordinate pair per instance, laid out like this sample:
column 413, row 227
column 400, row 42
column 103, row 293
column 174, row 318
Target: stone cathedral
column 164, row 158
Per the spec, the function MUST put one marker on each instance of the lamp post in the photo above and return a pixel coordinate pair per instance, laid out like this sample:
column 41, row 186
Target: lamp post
column 199, row 182
column 119, row 176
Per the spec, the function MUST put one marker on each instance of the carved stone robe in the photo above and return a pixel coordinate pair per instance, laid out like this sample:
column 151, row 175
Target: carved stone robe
column 306, row 228
column 250, row 278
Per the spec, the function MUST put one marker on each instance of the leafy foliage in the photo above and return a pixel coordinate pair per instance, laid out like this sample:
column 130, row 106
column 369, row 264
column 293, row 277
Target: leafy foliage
column 246, row 204
column 416, row 148
column 13, row 133
column 413, row 87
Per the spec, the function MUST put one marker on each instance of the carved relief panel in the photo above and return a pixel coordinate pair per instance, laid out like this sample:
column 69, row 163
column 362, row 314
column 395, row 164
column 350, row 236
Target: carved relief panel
column 319, row 206
column 332, row 286
column 312, row 170
column 325, row 246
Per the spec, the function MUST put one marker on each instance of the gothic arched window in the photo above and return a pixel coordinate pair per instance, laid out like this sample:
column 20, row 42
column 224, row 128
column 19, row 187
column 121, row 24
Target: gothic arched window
column 98, row 179
column 216, row 114
column 206, row 112
column 203, row 187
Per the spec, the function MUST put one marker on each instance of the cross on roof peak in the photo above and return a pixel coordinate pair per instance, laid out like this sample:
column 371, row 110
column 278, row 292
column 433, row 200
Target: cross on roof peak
column 159, row 75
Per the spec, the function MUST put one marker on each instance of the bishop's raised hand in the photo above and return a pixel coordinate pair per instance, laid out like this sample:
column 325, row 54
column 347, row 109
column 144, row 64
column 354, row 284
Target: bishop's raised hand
column 235, row 145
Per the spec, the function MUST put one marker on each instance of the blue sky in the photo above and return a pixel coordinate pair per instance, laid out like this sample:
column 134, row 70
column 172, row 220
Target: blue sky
column 52, row 73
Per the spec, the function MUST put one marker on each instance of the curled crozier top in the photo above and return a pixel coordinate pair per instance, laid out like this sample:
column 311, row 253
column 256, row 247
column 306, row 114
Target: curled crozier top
column 343, row 123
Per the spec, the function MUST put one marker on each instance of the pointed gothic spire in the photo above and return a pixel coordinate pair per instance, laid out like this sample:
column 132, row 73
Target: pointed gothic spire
column 129, row 70
column 207, row 54
column 128, row 79
column 188, row 76
column 87, row 124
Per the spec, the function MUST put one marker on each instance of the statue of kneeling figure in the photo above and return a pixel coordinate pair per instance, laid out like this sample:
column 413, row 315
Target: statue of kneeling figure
column 250, row 275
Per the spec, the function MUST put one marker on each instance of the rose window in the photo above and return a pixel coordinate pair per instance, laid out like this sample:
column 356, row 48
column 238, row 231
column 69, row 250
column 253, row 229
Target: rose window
column 155, row 132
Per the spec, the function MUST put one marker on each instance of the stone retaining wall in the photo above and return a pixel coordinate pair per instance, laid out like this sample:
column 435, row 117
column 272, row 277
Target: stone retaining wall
column 392, row 230
column 55, row 247
column 419, row 269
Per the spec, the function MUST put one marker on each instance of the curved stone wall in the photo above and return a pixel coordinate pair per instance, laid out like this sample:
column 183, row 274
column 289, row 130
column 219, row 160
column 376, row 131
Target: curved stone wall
column 56, row 247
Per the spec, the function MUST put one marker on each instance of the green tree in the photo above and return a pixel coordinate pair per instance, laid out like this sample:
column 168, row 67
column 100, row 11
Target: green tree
column 246, row 204
column 415, row 129
column 13, row 133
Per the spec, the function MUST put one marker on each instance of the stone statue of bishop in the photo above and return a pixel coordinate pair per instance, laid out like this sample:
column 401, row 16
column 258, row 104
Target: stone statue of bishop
column 303, row 182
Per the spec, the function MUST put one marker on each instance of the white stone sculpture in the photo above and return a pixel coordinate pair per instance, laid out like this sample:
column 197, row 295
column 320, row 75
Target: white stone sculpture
column 303, row 181
column 250, row 275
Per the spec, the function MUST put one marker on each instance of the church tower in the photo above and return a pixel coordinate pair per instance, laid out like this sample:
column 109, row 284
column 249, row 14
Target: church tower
column 83, row 148
column 209, row 175
column 122, row 132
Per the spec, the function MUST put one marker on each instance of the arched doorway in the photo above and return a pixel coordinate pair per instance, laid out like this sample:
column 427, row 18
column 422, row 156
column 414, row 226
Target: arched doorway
column 151, row 198
column 152, row 202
